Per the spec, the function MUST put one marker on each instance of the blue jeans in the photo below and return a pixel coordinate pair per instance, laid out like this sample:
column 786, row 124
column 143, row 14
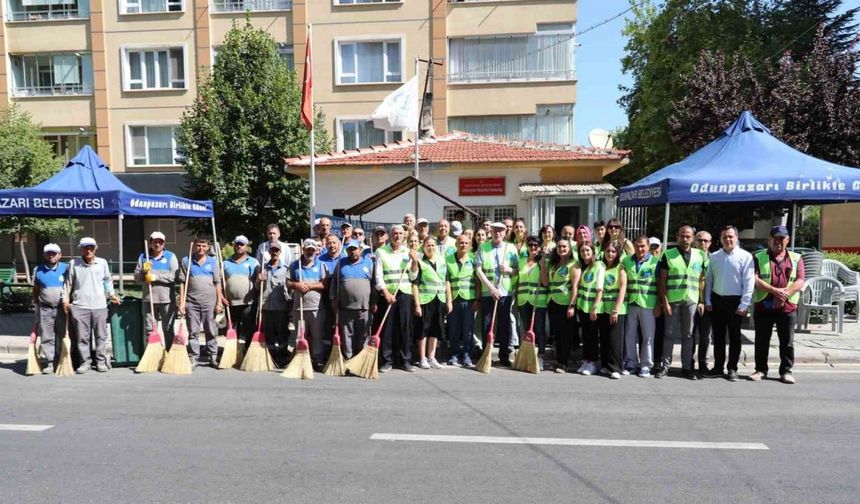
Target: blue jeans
column 461, row 326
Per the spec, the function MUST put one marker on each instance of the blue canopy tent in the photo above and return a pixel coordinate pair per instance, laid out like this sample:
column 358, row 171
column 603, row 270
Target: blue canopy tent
column 87, row 188
column 745, row 164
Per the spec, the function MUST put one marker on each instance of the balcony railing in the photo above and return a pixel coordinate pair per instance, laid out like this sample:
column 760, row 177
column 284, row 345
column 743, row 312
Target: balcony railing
column 251, row 5
column 55, row 90
column 46, row 13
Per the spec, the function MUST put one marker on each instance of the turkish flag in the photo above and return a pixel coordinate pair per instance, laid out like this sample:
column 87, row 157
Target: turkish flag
column 308, row 88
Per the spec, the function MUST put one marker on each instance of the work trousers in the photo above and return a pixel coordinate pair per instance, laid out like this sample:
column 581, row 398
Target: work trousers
column 502, row 327
column 637, row 319
column 590, row 337
column 164, row 313
column 539, row 324
column 564, row 331
column 679, row 325
column 315, row 325
column 397, row 334
column 244, row 321
column 276, row 329
column 52, row 327
column 702, row 328
column 461, row 327
column 354, row 330
column 201, row 317
column 784, row 322
column 90, row 324
column 725, row 320
column 611, row 342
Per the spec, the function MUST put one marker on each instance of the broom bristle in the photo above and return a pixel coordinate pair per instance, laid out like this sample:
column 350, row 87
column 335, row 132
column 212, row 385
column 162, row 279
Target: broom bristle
column 257, row 358
column 485, row 363
column 177, row 361
column 65, row 367
column 335, row 365
column 301, row 366
column 529, row 360
column 364, row 364
column 33, row 364
column 153, row 356
column 228, row 356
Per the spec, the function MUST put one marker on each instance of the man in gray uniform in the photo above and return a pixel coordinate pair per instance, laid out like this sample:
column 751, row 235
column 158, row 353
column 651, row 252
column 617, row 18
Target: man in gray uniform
column 204, row 300
column 273, row 278
column 49, row 297
column 351, row 289
column 160, row 272
column 89, row 285
column 307, row 287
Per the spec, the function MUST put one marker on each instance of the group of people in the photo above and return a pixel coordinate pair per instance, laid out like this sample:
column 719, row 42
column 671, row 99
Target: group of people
column 606, row 304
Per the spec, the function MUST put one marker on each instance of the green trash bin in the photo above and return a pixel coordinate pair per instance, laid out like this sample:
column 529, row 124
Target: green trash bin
column 126, row 327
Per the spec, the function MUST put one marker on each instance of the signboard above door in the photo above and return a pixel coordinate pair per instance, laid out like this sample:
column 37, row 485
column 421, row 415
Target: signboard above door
column 482, row 186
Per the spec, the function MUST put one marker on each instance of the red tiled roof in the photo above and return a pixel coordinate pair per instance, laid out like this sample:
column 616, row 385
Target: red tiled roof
column 458, row 147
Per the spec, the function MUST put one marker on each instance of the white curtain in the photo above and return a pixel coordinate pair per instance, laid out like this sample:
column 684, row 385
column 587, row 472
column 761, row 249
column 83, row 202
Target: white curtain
column 153, row 5
column 66, row 69
column 370, row 62
column 160, row 145
column 32, row 3
column 512, row 57
column 553, row 124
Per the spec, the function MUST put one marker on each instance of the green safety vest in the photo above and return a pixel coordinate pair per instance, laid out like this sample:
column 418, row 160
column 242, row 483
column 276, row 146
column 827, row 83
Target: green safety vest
column 392, row 266
column 432, row 283
column 529, row 289
column 488, row 255
column 611, row 290
column 462, row 277
column 642, row 284
column 682, row 280
column 588, row 287
column 448, row 246
column 559, row 282
column 763, row 259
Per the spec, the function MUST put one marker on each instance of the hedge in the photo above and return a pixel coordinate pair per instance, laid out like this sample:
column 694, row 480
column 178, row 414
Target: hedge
column 850, row 259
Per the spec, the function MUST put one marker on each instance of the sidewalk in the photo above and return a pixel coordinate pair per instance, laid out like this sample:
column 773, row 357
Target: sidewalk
column 818, row 346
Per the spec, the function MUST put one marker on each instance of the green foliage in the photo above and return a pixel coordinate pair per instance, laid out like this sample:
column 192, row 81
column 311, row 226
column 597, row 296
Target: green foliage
column 26, row 159
column 807, row 231
column 243, row 123
column 850, row 259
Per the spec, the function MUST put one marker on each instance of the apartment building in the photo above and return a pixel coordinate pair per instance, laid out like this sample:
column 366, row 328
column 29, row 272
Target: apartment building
column 118, row 74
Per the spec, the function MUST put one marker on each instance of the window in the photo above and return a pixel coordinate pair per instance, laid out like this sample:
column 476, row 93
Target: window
column 546, row 55
column 492, row 213
column 150, row 6
column 369, row 62
column 66, row 145
column 155, row 68
column 52, row 74
column 354, row 2
column 550, row 124
column 250, row 5
column 153, row 145
column 46, row 10
column 360, row 133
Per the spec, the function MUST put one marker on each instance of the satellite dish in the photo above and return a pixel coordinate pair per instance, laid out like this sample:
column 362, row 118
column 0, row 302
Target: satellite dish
column 600, row 138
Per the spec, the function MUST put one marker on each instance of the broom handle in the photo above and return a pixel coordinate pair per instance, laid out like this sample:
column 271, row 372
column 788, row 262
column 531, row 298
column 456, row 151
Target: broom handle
column 149, row 287
column 220, row 260
column 260, row 309
column 385, row 316
column 185, row 290
column 301, row 298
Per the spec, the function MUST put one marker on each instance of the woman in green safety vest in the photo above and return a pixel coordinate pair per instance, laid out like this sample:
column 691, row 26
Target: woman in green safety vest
column 563, row 280
column 532, row 295
column 432, row 295
column 610, row 321
column 547, row 237
column 520, row 237
column 589, row 302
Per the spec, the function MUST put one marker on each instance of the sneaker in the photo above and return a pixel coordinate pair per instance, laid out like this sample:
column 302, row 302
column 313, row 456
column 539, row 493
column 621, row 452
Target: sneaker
column 540, row 363
column 560, row 369
column 581, row 367
column 385, row 367
column 690, row 375
column 758, row 376
column 409, row 368
column 213, row 362
column 626, row 372
column 424, row 364
column 615, row 375
column 787, row 378
column 48, row 369
column 434, row 363
column 604, row 371
column 194, row 363
column 453, row 361
column 661, row 372
column 732, row 376
column 714, row 373
column 83, row 368
column 467, row 362
column 644, row 373
column 101, row 367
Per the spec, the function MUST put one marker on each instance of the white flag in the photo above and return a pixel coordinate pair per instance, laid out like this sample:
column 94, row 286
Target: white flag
column 399, row 110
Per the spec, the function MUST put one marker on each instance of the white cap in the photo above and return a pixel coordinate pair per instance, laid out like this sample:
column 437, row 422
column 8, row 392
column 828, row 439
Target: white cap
column 653, row 241
column 87, row 240
column 275, row 245
column 157, row 235
column 51, row 247
column 241, row 239
column 316, row 221
column 422, row 220
column 456, row 228
column 309, row 243
column 499, row 225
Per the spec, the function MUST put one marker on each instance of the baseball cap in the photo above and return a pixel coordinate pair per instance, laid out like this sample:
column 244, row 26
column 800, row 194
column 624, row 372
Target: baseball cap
column 346, row 225
column 653, row 241
column 456, row 228
column 157, row 235
column 499, row 225
column 353, row 244
column 87, row 241
column 241, row 239
column 779, row 231
column 422, row 221
column 51, row 247
column 309, row 243
column 379, row 229
column 275, row 245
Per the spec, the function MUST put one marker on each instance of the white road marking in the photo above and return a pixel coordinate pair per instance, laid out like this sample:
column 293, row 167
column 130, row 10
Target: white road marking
column 628, row 443
column 825, row 371
column 24, row 428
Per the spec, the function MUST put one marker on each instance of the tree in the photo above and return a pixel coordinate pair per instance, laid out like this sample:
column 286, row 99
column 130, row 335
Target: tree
column 243, row 123
column 26, row 159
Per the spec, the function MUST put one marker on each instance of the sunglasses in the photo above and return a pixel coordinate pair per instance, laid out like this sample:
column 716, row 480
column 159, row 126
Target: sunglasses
column 613, row 227
column 533, row 245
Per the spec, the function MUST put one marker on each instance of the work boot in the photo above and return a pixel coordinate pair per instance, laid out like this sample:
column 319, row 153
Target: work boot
column 732, row 376
column 48, row 369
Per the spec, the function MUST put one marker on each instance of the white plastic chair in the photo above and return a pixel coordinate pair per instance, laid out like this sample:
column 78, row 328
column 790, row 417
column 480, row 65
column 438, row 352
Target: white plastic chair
column 849, row 278
column 812, row 263
column 825, row 296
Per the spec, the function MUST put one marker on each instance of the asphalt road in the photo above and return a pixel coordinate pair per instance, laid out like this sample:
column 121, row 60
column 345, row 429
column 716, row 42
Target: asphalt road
column 238, row 437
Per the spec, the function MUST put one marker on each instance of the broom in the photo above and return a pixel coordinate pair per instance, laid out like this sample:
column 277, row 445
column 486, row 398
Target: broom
column 485, row 363
column 364, row 364
column 65, row 367
column 300, row 365
column 257, row 358
column 177, row 361
column 33, row 364
column 229, row 357
column 335, row 365
column 153, row 356
column 527, row 358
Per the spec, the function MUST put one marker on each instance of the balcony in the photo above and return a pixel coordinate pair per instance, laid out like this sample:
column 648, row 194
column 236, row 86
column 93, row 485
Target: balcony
column 55, row 90
column 511, row 58
column 40, row 75
column 227, row 6
column 46, row 10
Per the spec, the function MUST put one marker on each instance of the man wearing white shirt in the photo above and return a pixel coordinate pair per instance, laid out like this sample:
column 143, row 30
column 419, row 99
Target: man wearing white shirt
column 273, row 233
column 729, row 285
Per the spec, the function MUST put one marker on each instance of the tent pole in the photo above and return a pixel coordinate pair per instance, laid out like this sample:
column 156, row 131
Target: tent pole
column 666, row 226
column 215, row 237
column 417, row 137
column 793, row 223
column 121, row 282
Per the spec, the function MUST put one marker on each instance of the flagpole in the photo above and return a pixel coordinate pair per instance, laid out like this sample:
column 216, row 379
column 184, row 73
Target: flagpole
column 313, row 176
column 417, row 136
